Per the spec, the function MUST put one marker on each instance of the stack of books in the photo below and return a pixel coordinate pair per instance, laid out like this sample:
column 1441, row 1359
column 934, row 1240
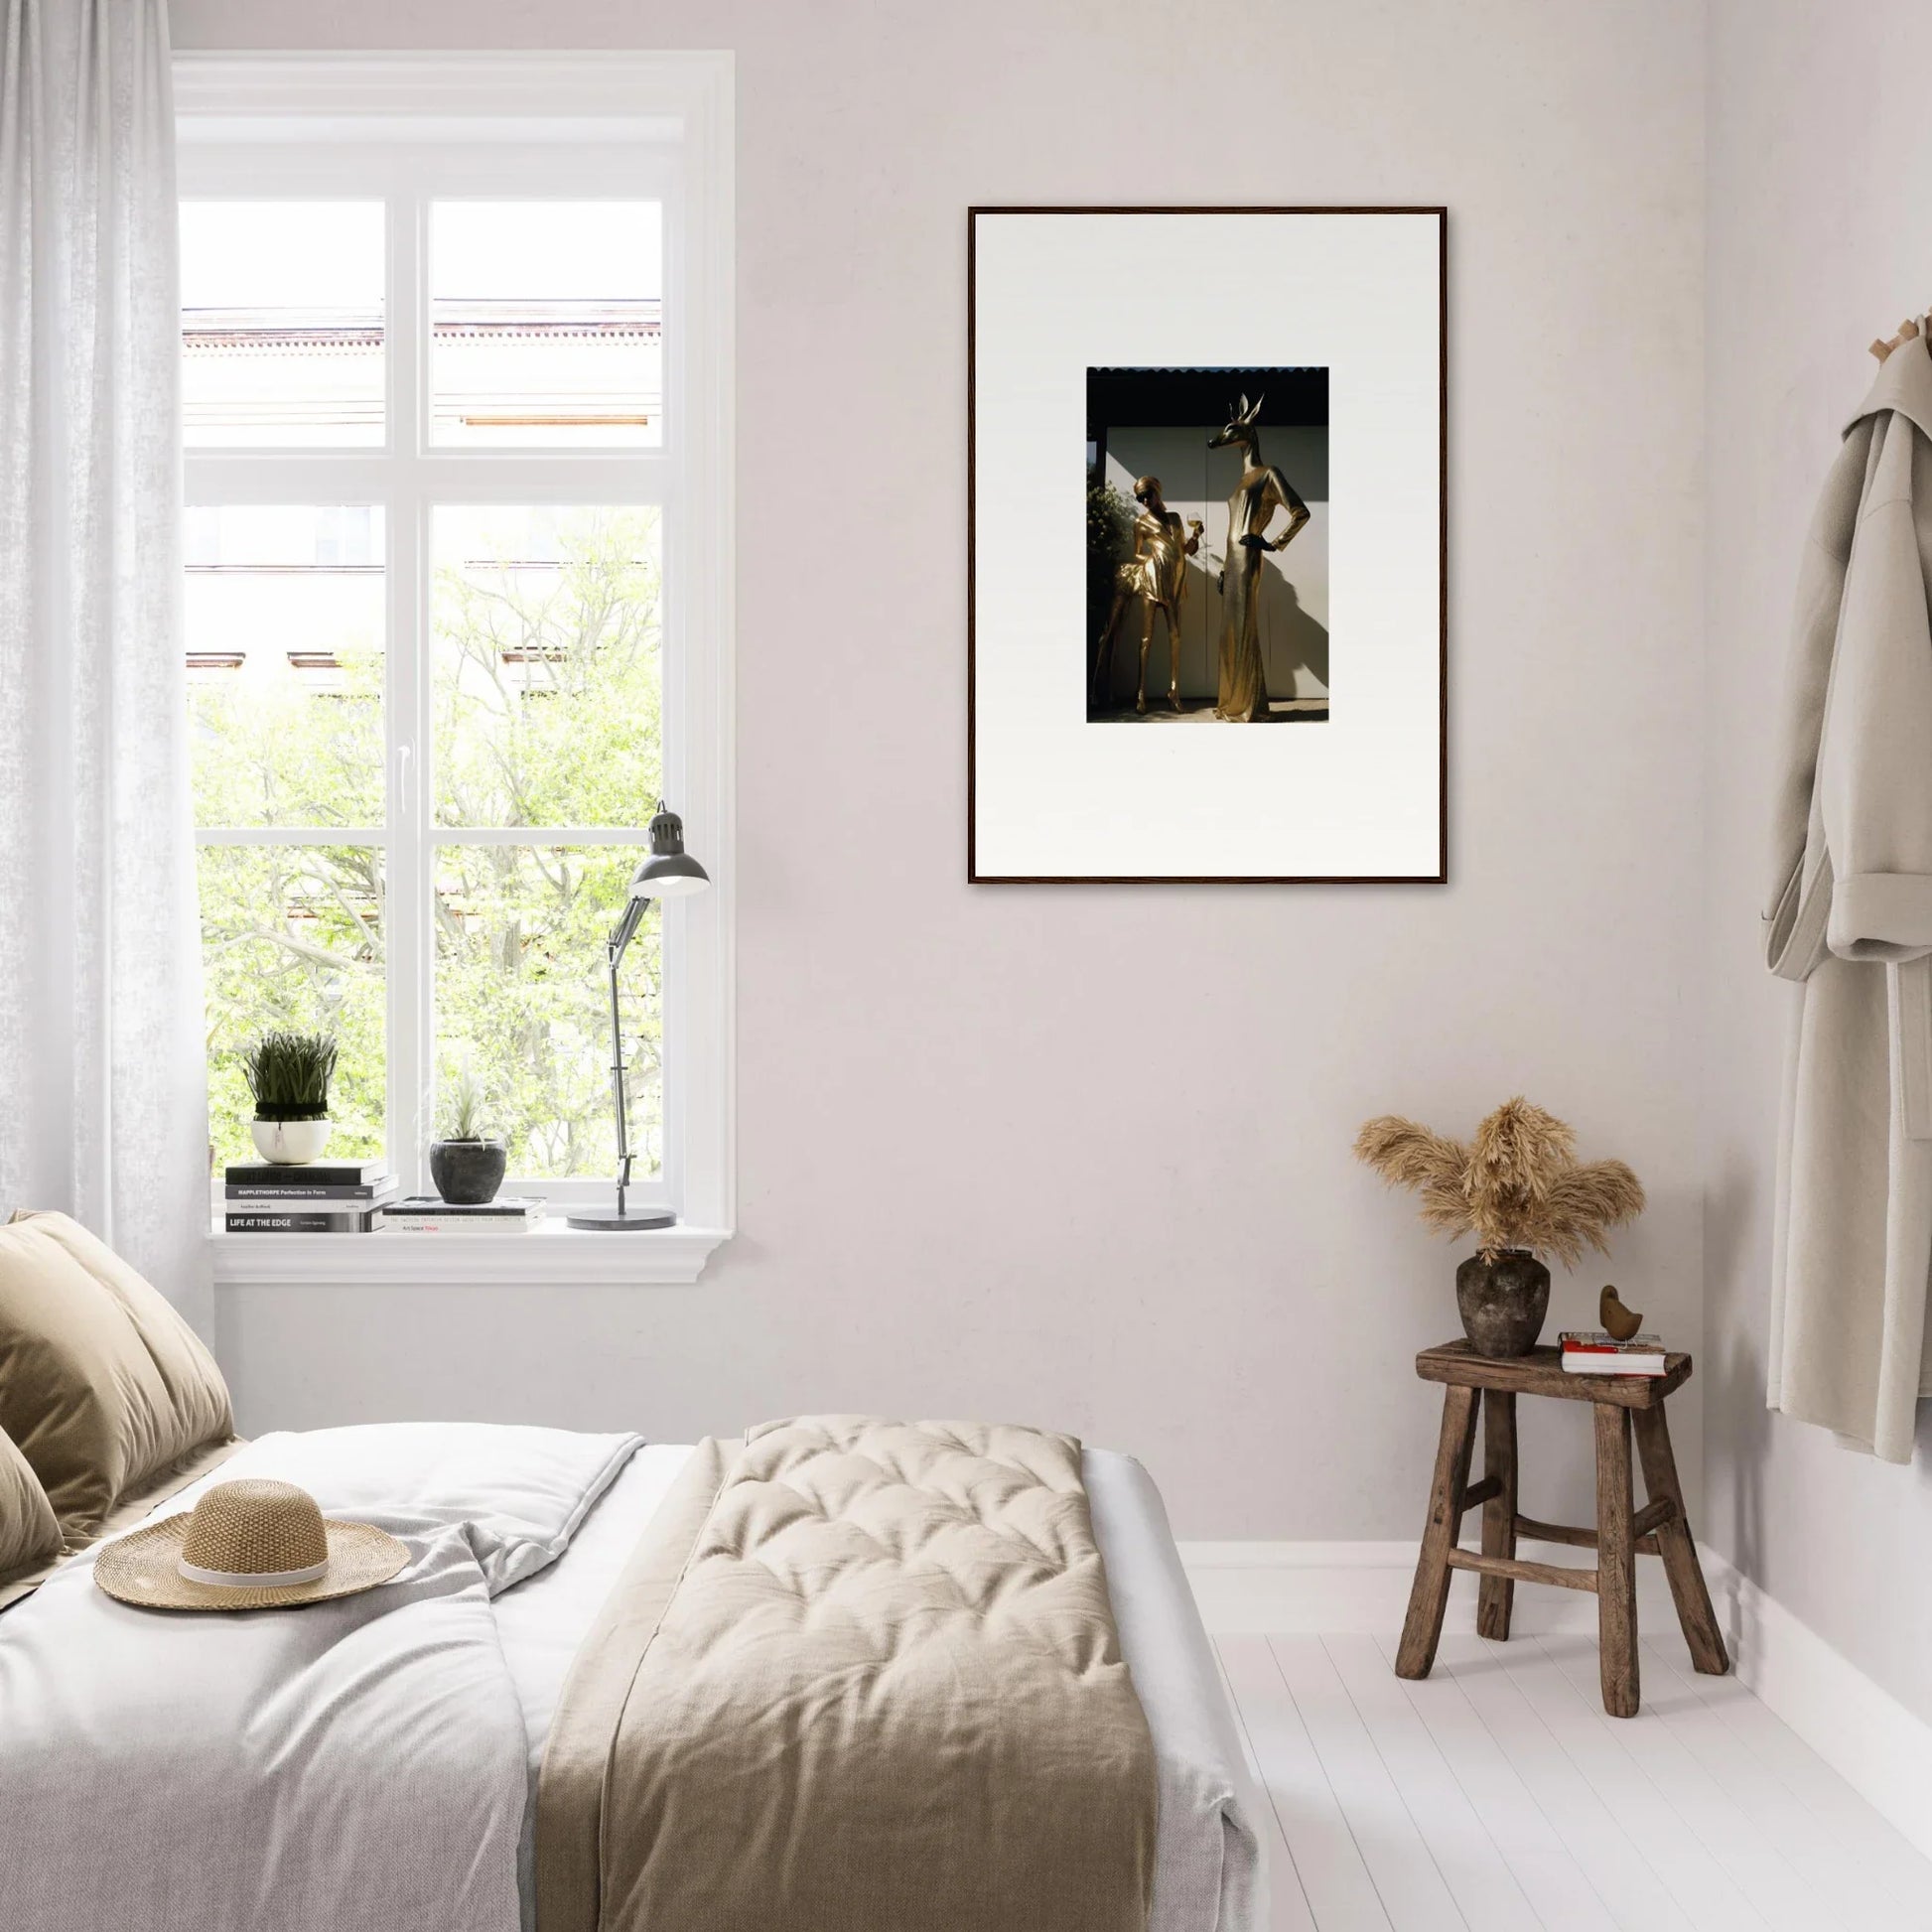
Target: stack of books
column 1592, row 1351
column 320, row 1198
column 426, row 1215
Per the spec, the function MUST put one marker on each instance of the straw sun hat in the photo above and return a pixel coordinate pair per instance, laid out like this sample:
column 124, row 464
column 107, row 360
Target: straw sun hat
column 249, row 1545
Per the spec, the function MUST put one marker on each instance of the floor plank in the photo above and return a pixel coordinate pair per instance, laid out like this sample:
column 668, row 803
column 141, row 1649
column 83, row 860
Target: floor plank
column 1556, row 1885
column 1410, row 1888
column 1862, row 1831
column 1240, row 1722
column 1482, row 1886
column 1619, row 1870
column 1287, row 1909
column 1324, row 1863
column 1696, row 1880
column 1783, row 1898
column 1832, row 1866
column 1496, row 1796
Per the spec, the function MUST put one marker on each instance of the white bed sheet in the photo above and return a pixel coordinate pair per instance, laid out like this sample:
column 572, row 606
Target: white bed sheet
column 1210, row 1875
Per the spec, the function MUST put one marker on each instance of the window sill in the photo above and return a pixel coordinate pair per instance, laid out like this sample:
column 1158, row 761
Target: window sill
column 552, row 1254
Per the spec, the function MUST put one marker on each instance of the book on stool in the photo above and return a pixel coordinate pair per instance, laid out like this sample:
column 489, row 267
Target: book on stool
column 1595, row 1351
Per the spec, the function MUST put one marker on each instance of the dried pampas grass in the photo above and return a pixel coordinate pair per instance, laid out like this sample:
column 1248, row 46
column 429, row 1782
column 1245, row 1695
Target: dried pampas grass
column 1429, row 1164
column 1517, row 1184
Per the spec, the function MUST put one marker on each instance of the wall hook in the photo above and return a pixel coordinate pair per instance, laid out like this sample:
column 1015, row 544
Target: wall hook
column 1908, row 332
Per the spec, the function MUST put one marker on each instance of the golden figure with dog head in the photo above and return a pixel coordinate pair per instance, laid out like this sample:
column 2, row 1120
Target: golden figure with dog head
column 1261, row 491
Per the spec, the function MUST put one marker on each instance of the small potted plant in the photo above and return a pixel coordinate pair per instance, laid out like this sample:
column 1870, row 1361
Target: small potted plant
column 1519, row 1189
column 467, row 1163
column 289, row 1074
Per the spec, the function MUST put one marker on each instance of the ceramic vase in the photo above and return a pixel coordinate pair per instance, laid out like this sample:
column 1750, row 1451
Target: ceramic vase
column 1503, row 1301
column 290, row 1143
column 467, row 1174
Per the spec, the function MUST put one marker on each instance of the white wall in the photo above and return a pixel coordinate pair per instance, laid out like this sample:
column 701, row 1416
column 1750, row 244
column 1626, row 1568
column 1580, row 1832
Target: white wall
column 1080, row 1156
column 1819, row 239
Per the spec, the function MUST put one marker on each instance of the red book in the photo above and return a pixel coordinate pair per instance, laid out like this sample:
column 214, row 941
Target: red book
column 1590, row 1351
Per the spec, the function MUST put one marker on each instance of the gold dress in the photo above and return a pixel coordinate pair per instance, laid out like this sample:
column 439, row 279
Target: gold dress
column 1158, row 569
column 1243, row 694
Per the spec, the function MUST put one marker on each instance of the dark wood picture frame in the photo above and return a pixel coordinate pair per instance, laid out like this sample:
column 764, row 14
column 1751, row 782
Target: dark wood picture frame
column 974, row 876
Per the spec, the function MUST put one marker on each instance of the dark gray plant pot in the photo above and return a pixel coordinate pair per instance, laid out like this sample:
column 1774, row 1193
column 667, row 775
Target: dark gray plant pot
column 467, row 1174
column 1503, row 1302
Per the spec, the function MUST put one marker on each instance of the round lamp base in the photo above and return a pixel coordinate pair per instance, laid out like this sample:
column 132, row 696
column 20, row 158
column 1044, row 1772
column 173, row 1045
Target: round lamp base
column 607, row 1220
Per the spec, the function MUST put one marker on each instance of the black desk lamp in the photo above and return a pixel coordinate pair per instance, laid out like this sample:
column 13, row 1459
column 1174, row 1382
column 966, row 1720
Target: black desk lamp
column 669, row 873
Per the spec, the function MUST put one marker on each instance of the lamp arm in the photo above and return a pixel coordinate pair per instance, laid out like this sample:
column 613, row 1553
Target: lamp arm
column 614, row 948
column 626, row 928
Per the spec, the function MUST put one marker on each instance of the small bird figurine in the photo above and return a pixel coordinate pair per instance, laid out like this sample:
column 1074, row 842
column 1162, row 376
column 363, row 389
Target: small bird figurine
column 1618, row 1321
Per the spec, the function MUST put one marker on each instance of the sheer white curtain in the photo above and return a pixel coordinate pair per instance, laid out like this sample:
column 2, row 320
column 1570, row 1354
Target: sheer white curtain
column 101, row 1072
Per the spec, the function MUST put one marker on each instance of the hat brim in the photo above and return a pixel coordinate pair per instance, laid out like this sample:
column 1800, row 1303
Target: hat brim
column 143, row 1568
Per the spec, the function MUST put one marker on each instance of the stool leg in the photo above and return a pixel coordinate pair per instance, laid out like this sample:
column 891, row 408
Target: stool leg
column 1422, row 1627
column 1496, row 1596
column 1677, row 1547
column 1616, row 1563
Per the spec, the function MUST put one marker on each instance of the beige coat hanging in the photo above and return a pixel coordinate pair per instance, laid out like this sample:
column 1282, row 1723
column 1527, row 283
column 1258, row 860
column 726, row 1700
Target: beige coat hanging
column 1851, row 918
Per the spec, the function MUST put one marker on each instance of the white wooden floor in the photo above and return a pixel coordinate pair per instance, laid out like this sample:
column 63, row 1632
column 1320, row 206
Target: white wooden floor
column 1497, row 1795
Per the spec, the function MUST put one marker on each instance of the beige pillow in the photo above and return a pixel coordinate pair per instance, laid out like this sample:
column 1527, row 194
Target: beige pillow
column 102, row 1385
column 28, row 1535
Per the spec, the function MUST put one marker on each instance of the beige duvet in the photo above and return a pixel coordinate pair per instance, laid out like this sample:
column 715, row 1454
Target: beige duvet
column 866, row 1669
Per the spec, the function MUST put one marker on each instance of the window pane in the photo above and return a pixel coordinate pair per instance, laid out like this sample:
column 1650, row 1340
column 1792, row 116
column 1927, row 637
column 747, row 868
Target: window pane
column 547, row 678
column 285, row 628
column 522, row 1002
column 546, row 323
column 281, row 324
column 292, row 937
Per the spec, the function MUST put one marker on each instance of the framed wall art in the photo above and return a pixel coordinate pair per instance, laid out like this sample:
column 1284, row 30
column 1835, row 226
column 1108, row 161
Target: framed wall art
column 1206, row 464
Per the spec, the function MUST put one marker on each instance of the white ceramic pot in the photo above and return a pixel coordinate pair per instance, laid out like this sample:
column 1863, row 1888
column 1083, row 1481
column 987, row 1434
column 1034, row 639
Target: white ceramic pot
column 290, row 1143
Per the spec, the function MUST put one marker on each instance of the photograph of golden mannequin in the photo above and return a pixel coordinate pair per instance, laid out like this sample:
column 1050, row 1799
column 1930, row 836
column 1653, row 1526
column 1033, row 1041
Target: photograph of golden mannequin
column 1243, row 694
column 1155, row 577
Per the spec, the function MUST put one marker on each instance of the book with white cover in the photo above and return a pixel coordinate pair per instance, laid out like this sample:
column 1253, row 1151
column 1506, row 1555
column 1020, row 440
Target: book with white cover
column 504, row 1204
column 426, row 1215
column 1592, row 1351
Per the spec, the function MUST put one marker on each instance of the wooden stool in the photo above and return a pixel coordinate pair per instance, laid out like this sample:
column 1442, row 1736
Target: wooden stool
column 1659, row 1529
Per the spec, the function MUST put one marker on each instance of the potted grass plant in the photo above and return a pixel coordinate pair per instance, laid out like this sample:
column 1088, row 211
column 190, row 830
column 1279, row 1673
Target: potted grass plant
column 1519, row 1189
column 289, row 1076
column 467, row 1163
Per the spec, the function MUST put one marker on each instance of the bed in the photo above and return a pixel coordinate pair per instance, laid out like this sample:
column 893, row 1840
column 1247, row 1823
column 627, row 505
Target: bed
column 1206, row 1877
column 842, row 1674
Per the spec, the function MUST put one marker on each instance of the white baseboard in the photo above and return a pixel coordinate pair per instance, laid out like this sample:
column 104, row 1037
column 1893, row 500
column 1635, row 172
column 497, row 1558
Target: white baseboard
column 1871, row 1740
column 1354, row 1589
column 1881, row 1748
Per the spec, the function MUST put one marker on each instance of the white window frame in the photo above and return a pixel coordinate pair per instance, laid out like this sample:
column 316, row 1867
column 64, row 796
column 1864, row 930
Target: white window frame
column 406, row 128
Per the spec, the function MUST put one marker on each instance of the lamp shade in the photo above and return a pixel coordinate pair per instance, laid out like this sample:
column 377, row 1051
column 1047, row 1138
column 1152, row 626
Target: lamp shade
column 669, row 871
